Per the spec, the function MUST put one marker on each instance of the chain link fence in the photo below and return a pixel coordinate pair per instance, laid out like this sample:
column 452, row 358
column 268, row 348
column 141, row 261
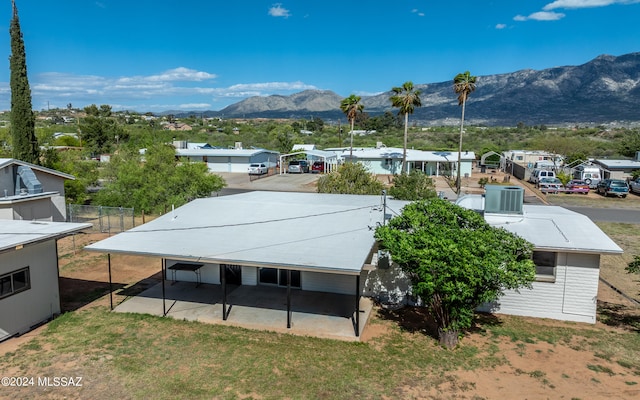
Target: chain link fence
column 104, row 219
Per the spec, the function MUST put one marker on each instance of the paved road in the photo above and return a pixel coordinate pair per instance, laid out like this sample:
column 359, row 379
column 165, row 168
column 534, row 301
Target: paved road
column 627, row 215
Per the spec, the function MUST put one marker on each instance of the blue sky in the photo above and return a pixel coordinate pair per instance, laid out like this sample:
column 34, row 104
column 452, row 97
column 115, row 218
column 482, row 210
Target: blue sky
column 155, row 55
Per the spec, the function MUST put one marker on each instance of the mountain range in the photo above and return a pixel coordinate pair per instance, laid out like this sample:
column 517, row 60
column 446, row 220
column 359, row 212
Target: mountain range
column 603, row 90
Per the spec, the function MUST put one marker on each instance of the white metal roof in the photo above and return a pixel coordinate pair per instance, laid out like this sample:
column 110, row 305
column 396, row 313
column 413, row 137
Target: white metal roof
column 306, row 231
column 556, row 228
column 15, row 233
column 613, row 164
column 222, row 152
column 412, row 154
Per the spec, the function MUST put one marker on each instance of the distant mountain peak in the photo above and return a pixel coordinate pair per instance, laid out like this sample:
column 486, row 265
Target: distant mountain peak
column 605, row 89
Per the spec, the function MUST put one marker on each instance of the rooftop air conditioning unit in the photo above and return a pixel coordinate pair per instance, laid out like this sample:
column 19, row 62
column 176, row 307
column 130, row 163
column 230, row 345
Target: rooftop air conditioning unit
column 503, row 199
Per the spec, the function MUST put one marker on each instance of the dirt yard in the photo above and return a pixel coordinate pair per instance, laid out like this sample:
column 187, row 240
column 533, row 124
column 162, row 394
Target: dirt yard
column 535, row 371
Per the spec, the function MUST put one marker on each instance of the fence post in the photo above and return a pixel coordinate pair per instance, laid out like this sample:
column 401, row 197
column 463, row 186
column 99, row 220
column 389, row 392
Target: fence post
column 100, row 219
column 121, row 219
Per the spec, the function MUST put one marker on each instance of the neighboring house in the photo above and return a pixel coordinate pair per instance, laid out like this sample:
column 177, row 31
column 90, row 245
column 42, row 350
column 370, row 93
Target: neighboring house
column 619, row 169
column 29, row 292
column 326, row 241
column 568, row 247
column 31, row 192
column 229, row 160
column 529, row 158
column 177, row 126
column 388, row 160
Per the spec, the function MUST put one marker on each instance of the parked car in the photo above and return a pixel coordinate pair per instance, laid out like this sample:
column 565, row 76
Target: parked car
column 550, row 185
column 577, row 186
column 539, row 174
column 298, row 166
column 613, row 187
column 258, row 169
column 634, row 186
column 318, row 166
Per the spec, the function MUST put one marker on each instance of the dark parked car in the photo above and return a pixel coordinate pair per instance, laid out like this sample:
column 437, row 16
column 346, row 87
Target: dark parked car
column 577, row 186
column 613, row 187
column 318, row 166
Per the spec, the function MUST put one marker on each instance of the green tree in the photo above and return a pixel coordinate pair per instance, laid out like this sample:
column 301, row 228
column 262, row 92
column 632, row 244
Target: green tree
column 99, row 131
column 350, row 178
column 455, row 260
column 415, row 185
column 351, row 106
column 156, row 183
column 463, row 85
column 406, row 99
column 630, row 143
column 23, row 134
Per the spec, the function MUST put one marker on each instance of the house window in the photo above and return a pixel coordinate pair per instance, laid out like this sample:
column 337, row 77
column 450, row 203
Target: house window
column 545, row 262
column 278, row 277
column 14, row 282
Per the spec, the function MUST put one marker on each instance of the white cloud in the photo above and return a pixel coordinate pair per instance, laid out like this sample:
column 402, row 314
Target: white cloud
column 416, row 11
column 501, row 26
column 573, row 4
column 540, row 16
column 277, row 10
column 178, row 88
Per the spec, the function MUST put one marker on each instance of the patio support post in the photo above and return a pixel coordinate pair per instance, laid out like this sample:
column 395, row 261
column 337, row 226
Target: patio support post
column 110, row 282
column 288, row 298
column 358, row 306
column 164, row 271
column 223, row 278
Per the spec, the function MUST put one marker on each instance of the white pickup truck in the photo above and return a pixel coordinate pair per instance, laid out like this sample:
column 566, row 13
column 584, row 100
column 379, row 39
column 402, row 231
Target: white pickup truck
column 634, row 186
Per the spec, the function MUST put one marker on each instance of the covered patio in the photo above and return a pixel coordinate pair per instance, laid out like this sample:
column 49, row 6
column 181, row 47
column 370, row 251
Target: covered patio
column 319, row 314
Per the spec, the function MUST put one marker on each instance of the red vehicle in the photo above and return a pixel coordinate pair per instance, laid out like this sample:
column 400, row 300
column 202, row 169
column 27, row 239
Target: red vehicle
column 577, row 186
column 317, row 167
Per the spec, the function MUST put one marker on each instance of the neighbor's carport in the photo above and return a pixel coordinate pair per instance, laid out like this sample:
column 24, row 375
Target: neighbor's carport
column 322, row 234
column 329, row 158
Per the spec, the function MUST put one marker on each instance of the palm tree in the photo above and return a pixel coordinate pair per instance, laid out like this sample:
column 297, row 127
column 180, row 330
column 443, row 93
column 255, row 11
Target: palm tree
column 351, row 106
column 406, row 98
column 463, row 85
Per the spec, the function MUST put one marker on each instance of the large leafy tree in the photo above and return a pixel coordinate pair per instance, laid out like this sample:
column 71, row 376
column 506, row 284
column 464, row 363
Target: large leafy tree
column 23, row 134
column 415, row 185
column 455, row 260
column 156, row 183
column 350, row 178
column 406, row 98
column 463, row 84
column 351, row 106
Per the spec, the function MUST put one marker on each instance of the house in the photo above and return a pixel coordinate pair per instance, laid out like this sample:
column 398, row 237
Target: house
column 31, row 192
column 388, row 160
column 29, row 292
column 264, row 243
column 229, row 160
column 568, row 247
column 619, row 169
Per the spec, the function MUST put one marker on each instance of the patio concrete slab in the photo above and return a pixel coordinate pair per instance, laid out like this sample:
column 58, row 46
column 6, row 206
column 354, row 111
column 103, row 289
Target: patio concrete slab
column 318, row 314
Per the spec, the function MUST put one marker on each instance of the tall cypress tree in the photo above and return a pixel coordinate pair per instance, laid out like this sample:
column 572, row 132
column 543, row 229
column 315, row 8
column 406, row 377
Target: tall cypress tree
column 23, row 134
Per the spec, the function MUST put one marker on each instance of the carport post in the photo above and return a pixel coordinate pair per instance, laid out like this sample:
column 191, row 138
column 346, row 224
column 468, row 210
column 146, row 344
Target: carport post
column 164, row 270
column 223, row 277
column 288, row 299
column 357, row 305
column 110, row 284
